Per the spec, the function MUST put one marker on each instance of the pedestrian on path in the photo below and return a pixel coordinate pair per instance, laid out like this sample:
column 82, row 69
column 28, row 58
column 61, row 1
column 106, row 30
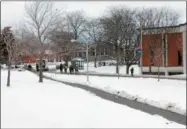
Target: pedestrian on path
column 61, row 68
column 132, row 71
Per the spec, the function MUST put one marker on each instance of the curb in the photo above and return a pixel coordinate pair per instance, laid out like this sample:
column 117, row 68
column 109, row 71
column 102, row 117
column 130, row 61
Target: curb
column 114, row 75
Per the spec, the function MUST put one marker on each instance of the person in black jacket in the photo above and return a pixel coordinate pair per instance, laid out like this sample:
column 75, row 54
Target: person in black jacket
column 61, row 68
column 37, row 67
column 132, row 71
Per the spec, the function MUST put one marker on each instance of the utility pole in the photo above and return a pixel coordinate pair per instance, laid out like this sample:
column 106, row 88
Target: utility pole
column 87, row 75
column 118, row 43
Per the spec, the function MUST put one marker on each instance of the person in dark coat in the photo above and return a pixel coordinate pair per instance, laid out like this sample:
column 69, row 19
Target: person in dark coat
column 71, row 69
column 29, row 67
column 132, row 71
column 37, row 67
column 61, row 68
column 76, row 69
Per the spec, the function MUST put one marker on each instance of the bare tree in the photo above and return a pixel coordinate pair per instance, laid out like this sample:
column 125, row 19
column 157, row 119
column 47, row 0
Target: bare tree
column 13, row 49
column 41, row 18
column 64, row 44
column 95, row 31
column 3, row 51
column 75, row 23
column 120, row 29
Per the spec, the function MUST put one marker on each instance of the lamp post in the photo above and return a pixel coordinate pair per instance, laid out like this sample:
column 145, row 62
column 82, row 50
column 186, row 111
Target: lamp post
column 87, row 75
column 118, row 42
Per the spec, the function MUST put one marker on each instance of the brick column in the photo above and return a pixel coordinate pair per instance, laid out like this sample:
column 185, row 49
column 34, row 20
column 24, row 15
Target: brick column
column 166, row 41
column 184, row 51
column 141, row 57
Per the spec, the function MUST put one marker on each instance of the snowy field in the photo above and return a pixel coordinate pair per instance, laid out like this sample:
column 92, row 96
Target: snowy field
column 29, row 104
column 166, row 94
column 105, row 69
column 111, row 69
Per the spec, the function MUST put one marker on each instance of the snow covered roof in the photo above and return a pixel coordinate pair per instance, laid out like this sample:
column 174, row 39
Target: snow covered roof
column 77, row 59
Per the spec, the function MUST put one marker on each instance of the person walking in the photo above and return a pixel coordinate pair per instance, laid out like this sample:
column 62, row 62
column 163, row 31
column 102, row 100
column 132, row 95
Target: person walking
column 132, row 71
column 61, row 67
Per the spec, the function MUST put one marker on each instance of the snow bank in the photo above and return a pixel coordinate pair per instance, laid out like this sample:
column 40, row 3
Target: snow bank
column 166, row 94
column 29, row 104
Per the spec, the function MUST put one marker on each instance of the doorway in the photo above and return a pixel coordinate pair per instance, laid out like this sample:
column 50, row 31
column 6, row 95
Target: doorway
column 179, row 58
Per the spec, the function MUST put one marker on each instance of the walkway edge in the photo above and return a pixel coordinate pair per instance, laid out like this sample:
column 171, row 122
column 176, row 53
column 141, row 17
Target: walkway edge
column 123, row 75
column 128, row 96
column 170, row 115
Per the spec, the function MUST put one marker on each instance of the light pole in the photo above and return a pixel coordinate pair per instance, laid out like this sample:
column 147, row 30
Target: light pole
column 118, row 42
column 87, row 75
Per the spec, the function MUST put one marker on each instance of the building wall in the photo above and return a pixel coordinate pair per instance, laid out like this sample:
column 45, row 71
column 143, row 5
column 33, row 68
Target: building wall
column 30, row 59
column 146, row 48
column 174, row 45
column 184, row 50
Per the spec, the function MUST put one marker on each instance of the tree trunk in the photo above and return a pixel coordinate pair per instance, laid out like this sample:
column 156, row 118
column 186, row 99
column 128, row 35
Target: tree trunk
column 8, row 77
column 158, row 73
column 117, row 60
column 40, row 70
column 150, row 71
column 117, row 66
column 95, row 60
column 127, row 68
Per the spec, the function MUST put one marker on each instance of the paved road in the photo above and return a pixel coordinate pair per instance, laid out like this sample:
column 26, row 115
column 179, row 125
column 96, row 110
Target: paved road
column 178, row 118
column 115, row 75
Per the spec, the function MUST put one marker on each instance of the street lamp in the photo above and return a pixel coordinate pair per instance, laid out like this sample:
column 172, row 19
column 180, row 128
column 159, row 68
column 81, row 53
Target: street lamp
column 118, row 43
column 87, row 75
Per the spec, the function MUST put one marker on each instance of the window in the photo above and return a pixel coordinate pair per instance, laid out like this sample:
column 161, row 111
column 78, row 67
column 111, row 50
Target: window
column 92, row 53
column 84, row 54
column 80, row 54
column 102, row 53
column 105, row 51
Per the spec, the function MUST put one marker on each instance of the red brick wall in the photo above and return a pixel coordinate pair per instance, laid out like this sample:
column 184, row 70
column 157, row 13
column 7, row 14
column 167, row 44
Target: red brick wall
column 29, row 59
column 147, row 40
column 174, row 45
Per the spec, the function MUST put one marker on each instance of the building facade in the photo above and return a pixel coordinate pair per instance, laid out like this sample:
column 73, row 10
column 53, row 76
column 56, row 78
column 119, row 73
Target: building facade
column 164, row 51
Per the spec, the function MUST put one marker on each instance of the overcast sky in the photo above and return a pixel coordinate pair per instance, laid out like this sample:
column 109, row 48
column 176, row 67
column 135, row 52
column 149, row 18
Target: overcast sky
column 13, row 12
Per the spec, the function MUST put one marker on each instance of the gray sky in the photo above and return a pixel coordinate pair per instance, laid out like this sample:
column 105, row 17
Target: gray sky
column 13, row 11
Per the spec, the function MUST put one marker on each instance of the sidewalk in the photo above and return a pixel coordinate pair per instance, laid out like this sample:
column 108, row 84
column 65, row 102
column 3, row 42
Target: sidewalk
column 166, row 94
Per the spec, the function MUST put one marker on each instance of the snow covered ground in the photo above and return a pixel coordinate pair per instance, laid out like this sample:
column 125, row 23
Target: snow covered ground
column 29, row 104
column 180, row 75
column 111, row 69
column 166, row 94
column 107, row 69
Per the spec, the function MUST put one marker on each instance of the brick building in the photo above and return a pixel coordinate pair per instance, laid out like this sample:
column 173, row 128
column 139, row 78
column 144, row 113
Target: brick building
column 166, row 50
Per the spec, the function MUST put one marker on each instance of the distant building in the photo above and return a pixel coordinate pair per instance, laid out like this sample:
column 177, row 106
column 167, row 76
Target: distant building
column 105, row 52
column 170, row 55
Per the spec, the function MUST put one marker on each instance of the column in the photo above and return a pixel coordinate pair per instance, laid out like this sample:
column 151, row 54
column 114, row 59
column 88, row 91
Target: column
column 141, row 57
column 184, row 51
column 166, row 56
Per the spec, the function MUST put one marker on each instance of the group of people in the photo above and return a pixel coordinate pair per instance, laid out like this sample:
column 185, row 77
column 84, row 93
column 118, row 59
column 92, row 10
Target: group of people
column 65, row 67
